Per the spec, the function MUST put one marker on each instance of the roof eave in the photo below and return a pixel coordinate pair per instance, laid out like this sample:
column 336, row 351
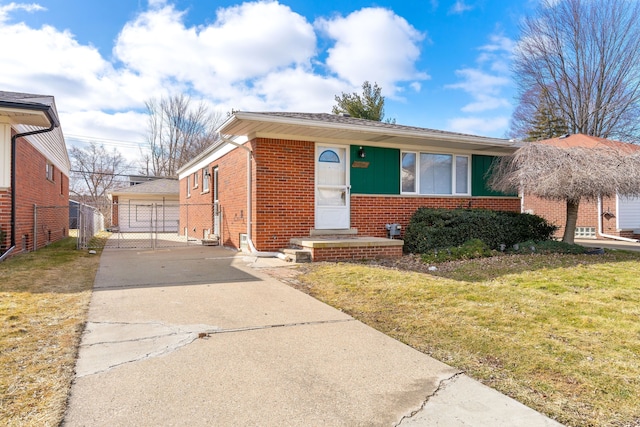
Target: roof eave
column 426, row 134
column 47, row 110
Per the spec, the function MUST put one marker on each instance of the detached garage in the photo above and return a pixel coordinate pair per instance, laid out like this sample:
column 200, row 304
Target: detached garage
column 150, row 206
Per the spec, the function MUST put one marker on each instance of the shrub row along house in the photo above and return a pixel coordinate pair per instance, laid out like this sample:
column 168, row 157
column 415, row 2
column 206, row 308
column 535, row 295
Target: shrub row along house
column 34, row 171
column 280, row 178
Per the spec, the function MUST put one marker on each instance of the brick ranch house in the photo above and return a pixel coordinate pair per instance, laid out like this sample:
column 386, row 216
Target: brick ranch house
column 34, row 170
column 607, row 218
column 274, row 177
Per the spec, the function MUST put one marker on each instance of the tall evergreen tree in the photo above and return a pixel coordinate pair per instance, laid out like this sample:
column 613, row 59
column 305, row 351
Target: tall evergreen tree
column 546, row 123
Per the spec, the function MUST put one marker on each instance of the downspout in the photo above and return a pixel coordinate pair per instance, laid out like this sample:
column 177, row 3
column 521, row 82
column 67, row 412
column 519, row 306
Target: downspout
column 14, row 138
column 609, row 236
column 252, row 249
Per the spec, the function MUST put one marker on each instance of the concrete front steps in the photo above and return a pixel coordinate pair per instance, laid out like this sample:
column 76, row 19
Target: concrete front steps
column 342, row 247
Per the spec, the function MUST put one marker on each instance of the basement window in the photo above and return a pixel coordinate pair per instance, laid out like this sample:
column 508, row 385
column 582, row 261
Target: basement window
column 585, row 233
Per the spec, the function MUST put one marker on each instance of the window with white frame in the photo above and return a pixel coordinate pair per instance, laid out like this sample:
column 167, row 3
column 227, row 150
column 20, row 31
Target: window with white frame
column 195, row 180
column 49, row 171
column 205, row 179
column 434, row 173
column 188, row 186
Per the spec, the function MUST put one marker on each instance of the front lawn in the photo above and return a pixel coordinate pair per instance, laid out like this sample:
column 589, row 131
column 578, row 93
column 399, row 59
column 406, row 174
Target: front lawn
column 559, row 333
column 44, row 297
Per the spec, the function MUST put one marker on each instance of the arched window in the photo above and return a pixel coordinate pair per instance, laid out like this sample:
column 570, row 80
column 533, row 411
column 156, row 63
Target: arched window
column 329, row 156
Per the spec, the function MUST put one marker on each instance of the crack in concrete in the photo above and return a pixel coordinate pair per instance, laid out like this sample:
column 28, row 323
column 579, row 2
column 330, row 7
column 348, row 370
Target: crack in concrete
column 108, row 345
column 166, row 350
column 441, row 385
column 278, row 325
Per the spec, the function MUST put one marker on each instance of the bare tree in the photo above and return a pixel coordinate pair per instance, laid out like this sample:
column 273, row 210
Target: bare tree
column 177, row 132
column 569, row 175
column 95, row 172
column 583, row 57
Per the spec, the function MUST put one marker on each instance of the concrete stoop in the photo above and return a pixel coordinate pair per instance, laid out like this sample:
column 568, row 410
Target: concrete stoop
column 296, row 255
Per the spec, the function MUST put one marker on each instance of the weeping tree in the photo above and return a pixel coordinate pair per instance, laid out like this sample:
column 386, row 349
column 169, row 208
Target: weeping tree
column 568, row 175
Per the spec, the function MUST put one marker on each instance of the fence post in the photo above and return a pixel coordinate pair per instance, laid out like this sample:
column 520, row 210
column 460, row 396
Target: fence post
column 153, row 242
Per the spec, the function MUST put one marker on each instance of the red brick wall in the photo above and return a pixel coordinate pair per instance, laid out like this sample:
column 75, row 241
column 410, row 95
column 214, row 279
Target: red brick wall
column 33, row 187
column 355, row 253
column 285, row 192
column 556, row 213
column 370, row 214
column 197, row 210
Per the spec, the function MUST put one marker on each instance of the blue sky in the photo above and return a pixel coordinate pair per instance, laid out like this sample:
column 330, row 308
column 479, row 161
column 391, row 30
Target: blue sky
column 442, row 64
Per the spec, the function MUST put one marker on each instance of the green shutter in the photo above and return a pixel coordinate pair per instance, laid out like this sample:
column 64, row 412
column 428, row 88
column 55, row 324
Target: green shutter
column 480, row 165
column 377, row 173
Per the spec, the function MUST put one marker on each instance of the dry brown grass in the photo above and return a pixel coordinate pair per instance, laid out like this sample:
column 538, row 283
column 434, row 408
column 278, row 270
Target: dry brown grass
column 44, row 298
column 559, row 333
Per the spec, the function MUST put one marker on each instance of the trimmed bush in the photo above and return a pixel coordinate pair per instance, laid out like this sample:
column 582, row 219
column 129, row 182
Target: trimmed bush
column 444, row 228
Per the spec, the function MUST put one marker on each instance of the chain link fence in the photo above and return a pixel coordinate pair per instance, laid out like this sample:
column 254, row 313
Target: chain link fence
column 162, row 225
column 139, row 225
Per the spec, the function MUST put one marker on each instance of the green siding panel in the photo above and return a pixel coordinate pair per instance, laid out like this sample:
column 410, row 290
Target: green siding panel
column 480, row 165
column 382, row 176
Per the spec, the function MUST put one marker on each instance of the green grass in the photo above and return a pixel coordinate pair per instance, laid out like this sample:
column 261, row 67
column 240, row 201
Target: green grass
column 559, row 333
column 44, row 297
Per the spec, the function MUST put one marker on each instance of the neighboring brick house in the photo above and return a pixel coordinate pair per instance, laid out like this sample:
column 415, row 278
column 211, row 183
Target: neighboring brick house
column 150, row 205
column 606, row 218
column 31, row 139
column 278, row 176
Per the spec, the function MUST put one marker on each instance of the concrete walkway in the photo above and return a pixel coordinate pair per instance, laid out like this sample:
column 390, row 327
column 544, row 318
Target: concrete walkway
column 200, row 336
column 609, row 244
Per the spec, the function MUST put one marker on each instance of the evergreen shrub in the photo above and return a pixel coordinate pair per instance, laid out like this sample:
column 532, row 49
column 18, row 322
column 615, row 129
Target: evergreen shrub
column 431, row 228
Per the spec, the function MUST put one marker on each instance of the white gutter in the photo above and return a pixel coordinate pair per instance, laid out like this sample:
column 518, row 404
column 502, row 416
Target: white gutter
column 609, row 236
column 7, row 253
column 252, row 249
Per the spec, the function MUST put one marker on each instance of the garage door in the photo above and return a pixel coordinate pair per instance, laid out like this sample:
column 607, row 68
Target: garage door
column 629, row 213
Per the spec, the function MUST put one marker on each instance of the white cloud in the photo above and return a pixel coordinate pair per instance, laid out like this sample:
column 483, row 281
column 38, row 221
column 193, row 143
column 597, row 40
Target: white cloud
column 244, row 42
column 257, row 55
column 478, row 125
column 5, row 10
column 373, row 44
column 460, row 7
column 484, row 88
column 486, row 85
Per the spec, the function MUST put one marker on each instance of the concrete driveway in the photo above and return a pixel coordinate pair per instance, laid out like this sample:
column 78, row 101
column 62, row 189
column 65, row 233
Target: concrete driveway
column 199, row 336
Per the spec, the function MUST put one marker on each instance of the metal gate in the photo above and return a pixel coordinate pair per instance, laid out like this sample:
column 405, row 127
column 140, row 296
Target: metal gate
column 161, row 225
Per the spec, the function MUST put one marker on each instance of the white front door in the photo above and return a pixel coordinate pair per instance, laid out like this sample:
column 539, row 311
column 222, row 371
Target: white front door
column 332, row 188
